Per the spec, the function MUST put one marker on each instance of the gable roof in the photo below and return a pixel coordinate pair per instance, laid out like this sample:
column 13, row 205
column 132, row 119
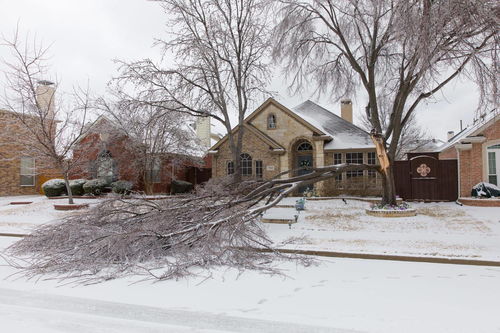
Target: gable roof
column 319, row 120
column 345, row 134
column 473, row 131
column 263, row 136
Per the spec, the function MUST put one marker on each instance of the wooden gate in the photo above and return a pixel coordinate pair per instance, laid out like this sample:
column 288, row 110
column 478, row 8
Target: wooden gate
column 425, row 177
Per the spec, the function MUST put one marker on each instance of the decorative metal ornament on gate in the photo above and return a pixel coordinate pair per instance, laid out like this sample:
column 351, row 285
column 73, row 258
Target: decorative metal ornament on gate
column 423, row 170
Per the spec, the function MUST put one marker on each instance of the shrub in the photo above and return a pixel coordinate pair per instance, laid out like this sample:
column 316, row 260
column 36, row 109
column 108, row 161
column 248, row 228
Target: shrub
column 121, row 187
column 94, row 186
column 180, row 186
column 54, row 187
column 76, row 186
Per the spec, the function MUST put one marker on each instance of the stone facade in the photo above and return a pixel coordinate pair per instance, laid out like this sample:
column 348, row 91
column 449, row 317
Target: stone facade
column 276, row 148
column 14, row 145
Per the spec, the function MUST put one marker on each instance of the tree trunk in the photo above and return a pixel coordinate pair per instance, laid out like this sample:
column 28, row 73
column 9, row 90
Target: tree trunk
column 68, row 189
column 389, row 186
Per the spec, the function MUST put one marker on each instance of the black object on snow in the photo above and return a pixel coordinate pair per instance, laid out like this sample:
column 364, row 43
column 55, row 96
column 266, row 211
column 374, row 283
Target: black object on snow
column 180, row 186
column 485, row 190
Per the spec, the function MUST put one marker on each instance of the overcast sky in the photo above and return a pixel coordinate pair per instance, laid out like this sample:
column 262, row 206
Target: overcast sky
column 86, row 35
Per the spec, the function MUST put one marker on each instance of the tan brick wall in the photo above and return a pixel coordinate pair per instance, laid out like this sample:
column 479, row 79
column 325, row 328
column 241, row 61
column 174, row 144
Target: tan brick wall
column 13, row 135
column 255, row 147
column 473, row 162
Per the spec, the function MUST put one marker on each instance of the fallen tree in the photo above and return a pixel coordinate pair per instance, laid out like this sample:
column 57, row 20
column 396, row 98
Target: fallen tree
column 217, row 225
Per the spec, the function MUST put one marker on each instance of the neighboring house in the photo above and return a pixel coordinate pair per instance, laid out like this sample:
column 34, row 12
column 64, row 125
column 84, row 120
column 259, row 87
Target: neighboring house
column 477, row 149
column 22, row 168
column 107, row 152
column 277, row 138
column 423, row 146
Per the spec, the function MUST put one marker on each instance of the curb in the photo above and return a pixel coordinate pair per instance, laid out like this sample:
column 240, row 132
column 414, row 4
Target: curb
column 432, row 260
column 8, row 234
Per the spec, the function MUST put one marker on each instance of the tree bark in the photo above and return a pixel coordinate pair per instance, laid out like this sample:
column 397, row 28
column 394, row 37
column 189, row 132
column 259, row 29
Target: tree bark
column 68, row 189
column 389, row 186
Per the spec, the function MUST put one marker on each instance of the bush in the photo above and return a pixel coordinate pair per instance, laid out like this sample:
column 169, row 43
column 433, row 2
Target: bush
column 94, row 186
column 54, row 187
column 121, row 187
column 76, row 186
column 180, row 186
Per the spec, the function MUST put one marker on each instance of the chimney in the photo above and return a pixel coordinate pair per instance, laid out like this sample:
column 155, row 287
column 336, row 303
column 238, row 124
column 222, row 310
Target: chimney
column 45, row 94
column 451, row 134
column 202, row 128
column 346, row 110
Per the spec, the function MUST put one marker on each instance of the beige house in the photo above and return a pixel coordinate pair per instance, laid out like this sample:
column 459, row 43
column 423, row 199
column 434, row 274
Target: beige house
column 278, row 138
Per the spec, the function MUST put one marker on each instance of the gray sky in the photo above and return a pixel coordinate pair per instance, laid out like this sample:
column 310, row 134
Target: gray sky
column 85, row 37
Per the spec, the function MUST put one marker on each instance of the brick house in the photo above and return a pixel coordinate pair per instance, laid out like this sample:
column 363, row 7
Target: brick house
column 107, row 152
column 22, row 168
column 477, row 149
column 278, row 138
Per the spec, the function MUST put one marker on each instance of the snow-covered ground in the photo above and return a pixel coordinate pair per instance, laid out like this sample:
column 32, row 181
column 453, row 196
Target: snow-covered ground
column 338, row 295
column 23, row 218
column 439, row 229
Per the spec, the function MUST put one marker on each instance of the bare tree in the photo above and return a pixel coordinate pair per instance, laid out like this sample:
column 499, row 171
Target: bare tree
column 221, row 50
column 411, row 134
column 50, row 129
column 157, row 135
column 403, row 50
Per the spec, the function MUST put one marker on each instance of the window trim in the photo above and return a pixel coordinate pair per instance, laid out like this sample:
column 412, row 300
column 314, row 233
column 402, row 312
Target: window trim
column 258, row 168
column 229, row 167
column 246, row 165
column 33, row 174
column 273, row 117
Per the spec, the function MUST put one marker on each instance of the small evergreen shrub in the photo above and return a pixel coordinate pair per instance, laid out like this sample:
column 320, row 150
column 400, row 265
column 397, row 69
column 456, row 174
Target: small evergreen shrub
column 54, row 187
column 94, row 186
column 122, row 187
column 180, row 186
column 76, row 186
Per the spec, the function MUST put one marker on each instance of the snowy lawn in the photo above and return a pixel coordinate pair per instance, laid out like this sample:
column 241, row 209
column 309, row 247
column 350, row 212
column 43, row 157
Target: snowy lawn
column 23, row 218
column 439, row 229
column 336, row 295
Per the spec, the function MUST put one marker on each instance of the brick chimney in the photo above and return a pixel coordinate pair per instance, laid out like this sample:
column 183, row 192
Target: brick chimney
column 346, row 110
column 450, row 134
column 45, row 94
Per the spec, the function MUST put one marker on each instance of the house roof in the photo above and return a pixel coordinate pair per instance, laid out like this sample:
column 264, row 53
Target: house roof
column 472, row 132
column 425, row 146
column 340, row 134
column 345, row 134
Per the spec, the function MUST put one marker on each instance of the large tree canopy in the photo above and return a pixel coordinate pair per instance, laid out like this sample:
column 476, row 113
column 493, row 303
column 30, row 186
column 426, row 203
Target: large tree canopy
column 400, row 51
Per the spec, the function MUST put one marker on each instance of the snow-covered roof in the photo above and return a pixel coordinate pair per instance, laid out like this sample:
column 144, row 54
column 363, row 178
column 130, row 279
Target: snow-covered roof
column 472, row 131
column 345, row 134
column 425, row 146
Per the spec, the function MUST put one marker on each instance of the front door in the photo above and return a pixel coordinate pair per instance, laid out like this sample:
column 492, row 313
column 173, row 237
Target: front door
column 304, row 161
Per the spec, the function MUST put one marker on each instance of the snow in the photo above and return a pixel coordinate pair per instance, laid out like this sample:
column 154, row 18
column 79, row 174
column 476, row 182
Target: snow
column 345, row 135
column 337, row 295
column 54, row 182
column 23, row 218
column 439, row 229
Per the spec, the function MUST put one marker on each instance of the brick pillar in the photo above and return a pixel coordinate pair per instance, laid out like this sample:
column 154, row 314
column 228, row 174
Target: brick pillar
column 319, row 161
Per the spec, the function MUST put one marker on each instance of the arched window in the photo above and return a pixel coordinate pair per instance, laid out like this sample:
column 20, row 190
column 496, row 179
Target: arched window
column 246, row 164
column 105, row 166
column 271, row 121
column 230, row 167
column 304, row 146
